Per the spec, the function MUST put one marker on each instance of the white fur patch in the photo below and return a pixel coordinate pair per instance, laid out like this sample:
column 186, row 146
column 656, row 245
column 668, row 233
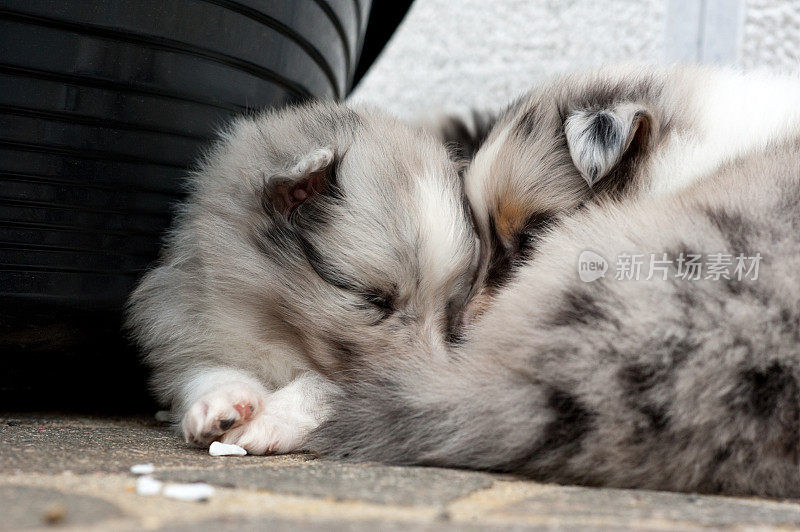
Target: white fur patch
column 441, row 225
column 314, row 162
column 478, row 179
column 204, row 381
column 735, row 114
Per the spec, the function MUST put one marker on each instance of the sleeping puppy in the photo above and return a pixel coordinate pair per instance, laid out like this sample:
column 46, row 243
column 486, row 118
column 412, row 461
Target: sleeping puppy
column 665, row 379
column 605, row 136
column 669, row 381
column 321, row 230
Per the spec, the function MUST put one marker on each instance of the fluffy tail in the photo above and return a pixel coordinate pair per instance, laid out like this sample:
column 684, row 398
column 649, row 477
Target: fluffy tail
column 444, row 416
column 738, row 434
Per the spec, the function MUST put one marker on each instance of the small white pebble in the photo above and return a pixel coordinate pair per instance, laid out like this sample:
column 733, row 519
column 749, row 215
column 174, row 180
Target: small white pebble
column 164, row 416
column 225, row 449
column 148, row 486
column 142, row 469
column 199, row 491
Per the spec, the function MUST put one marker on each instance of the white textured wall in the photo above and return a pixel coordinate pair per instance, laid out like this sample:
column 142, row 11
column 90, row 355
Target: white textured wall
column 771, row 34
column 482, row 53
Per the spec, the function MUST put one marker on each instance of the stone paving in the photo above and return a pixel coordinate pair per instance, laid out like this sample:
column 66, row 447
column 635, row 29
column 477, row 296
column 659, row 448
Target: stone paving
column 72, row 472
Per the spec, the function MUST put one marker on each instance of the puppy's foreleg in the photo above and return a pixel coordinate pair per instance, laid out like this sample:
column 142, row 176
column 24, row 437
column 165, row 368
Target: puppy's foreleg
column 287, row 417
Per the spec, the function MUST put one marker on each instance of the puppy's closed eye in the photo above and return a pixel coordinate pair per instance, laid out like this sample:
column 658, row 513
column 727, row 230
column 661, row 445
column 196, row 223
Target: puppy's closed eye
column 382, row 301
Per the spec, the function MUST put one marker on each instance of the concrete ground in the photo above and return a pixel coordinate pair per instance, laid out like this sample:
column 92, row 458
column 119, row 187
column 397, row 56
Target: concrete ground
column 72, row 472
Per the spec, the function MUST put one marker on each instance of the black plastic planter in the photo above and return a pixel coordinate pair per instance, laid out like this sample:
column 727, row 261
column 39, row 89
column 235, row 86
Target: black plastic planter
column 103, row 105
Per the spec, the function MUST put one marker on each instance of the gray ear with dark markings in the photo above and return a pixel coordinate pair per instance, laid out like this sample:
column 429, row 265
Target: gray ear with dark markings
column 598, row 139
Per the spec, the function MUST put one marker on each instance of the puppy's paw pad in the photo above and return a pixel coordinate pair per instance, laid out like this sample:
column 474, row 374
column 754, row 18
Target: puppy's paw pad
column 244, row 409
column 218, row 412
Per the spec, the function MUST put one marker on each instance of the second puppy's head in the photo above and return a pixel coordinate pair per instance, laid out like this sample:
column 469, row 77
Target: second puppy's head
column 577, row 139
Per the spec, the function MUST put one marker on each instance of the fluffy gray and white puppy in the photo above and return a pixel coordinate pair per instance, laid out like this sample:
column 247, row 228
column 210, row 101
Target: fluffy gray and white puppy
column 663, row 382
column 688, row 385
column 603, row 136
column 321, row 229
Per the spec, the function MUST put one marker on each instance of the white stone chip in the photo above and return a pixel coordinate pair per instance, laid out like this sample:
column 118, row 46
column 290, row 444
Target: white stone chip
column 164, row 416
column 142, row 469
column 148, row 486
column 199, row 491
column 225, row 449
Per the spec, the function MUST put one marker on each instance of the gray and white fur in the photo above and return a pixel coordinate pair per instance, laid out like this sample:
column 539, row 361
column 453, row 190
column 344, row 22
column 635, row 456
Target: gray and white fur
column 678, row 384
column 322, row 229
column 606, row 135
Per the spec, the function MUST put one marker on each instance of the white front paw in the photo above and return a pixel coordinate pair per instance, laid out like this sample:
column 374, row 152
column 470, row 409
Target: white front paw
column 271, row 432
column 226, row 408
column 288, row 417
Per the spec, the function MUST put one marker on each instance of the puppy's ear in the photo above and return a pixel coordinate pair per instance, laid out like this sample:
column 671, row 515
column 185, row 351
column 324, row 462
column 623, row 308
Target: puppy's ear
column 599, row 139
column 308, row 177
